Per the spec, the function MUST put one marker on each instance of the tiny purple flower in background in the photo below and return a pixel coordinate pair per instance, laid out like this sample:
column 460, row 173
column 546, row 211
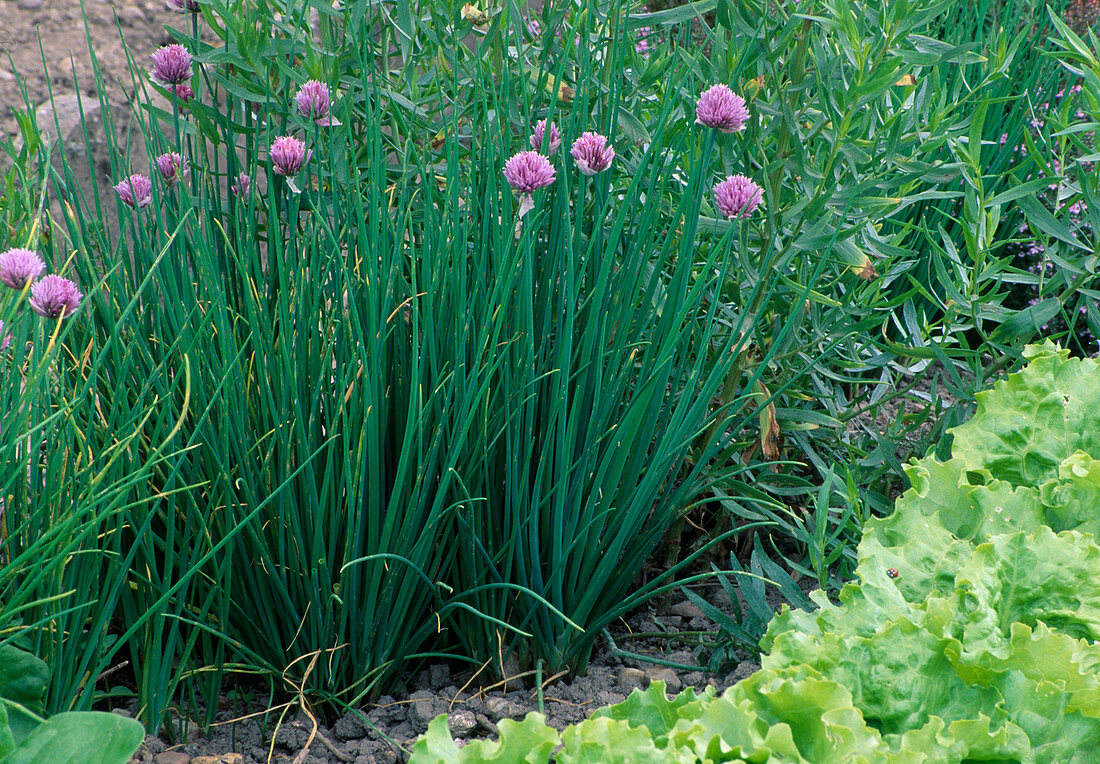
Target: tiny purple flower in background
column 313, row 103
column 288, row 154
column 183, row 91
column 172, row 64
column 183, row 6
column 528, row 171
column 136, row 191
column 55, row 297
column 721, row 108
column 592, row 153
column 242, row 186
column 19, row 267
column 172, row 168
column 5, row 337
column 538, row 135
column 737, row 196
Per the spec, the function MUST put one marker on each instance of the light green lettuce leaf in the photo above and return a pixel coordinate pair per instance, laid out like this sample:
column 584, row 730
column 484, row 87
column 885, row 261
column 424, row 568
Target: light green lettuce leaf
column 923, row 552
column 971, row 739
column 1032, row 420
column 652, row 709
column 1072, row 498
column 1028, row 578
column 799, row 717
column 526, row 742
column 602, row 740
column 970, row 504
column 898, row 674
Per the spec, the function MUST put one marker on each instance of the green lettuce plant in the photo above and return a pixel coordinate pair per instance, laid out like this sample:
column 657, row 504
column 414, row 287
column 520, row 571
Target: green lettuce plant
column 972, row 632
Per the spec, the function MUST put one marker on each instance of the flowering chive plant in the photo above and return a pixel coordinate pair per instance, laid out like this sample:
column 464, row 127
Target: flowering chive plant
column 313, row 103
column 172, row 167
column 737, row 196
column 183, row 91
column 136, row 191
column 288, row 155
column 19, row 267
column 538, row 136
column 55, row 297
column 527, row 172
column 592, row 153
column 241, row 186
column 171, row 65
column 722, row 109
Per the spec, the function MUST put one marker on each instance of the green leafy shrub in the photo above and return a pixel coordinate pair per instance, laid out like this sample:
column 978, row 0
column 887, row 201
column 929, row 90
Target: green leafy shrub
column 973, row 632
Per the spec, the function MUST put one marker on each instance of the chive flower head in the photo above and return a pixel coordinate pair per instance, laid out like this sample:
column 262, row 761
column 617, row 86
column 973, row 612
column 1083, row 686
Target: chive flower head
column 538, row 135
column 592, row 153
column 314, row 103
column 171, row 65
column 288, row 154
column 19, row 267
column 135, row 191
column 528, row 171
column 721, row 108
column 241, row 186
column 184, row 92
column 737, row 196
column 172, row 168
column 55, row 297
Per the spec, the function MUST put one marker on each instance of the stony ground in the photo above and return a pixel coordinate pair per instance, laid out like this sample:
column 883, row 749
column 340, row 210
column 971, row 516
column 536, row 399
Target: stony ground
column 386, row 731
column 62, row 63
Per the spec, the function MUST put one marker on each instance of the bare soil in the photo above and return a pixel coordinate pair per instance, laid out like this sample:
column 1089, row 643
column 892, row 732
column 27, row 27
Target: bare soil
column 386, row 731
column 46, row 42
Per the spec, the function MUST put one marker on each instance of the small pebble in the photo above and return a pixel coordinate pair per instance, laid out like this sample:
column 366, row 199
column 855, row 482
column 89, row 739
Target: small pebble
column 631, row 679
column 666, row 675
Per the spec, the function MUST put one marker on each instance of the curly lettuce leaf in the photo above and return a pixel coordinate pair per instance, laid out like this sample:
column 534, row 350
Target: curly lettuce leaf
column 526, row 742
column 1031, row 421
column 653, row 710
column 603, row 740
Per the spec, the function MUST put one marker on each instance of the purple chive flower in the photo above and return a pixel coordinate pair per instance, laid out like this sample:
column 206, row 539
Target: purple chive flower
column 172, row 64
column 172, row 168
column 528, row 171
column 592, row 153
column 313, row 103
column 136, row 191
column 19, row 267
column 183, row 91
column 737, row 196
column 55, row 297
column 242, row 186
column 288, row 155
column 721, row 108
column 538, row 134
column 183, row 6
